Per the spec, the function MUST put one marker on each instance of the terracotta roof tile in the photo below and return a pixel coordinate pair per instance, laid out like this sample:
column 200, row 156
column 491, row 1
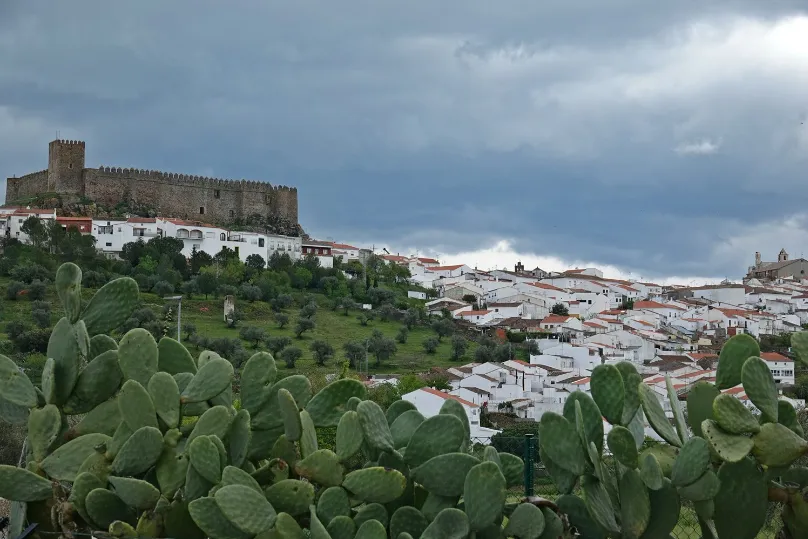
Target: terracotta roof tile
column 443, row 395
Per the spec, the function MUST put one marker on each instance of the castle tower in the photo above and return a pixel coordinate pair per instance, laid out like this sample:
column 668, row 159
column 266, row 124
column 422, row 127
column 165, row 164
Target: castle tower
column 783, row 256
column 66, row 166
column 758, row 260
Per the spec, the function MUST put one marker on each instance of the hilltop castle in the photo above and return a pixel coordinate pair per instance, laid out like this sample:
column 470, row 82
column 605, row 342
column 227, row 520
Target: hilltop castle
column 168, row 194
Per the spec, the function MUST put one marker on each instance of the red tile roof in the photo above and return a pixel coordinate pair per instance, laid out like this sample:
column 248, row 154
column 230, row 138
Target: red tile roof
column 474, row 313
column 344, row 246
column 546, row 286
column 734, row 312
column 141, row 220
column 428, row 261
column 445, row 268
column 702, row 355
column 555, row 319
column 443, row 395
column 774, row 356
column 581, row 381
column 33, row 211
column 655, row 305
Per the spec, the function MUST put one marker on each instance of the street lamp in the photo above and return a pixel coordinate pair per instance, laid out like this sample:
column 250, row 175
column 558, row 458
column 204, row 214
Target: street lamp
column 178, row 299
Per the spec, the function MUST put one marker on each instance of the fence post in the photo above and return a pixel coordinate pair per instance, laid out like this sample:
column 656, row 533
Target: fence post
column 529, row 466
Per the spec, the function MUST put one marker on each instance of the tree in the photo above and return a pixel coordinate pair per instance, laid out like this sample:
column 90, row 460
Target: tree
column 290, row 356
column 281, row 302
column 354, row 268
column 41, row 317
column 250, row 292
column 281, row 319
column 253, row 334
column 411, row 317
column 431, row 345
column 276, row 344
column 198, row 260
column 13, row 290
column 225, row 256
column 532, row 347
column 37, row 290
column 347, row 304
column 207, row 283
column 627, row 304
column 303, row 325
column 560, row 309
column 234, row 318
column 383, row 348
column 188, row 329
column 386, row 312
column 483, row 354
column 363, row 319
column 36, row 231
column 322, row 351
column 402, row 335
column 443, row 327
column 163, row 288
column 459, row 346
column 308, row 310
column 301, row 278
column 409, row 383
column 355, row 352
column 189, row 288
column 255, row 262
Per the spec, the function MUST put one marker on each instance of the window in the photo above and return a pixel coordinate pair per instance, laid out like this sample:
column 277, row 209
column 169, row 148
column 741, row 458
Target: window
column 70, row 165
column 209, row 234
column 201, row 210
column 260, row 242
column 222, row 236
column 216, row 193
column 232, row 214
column 197, row 246
column 109, row 244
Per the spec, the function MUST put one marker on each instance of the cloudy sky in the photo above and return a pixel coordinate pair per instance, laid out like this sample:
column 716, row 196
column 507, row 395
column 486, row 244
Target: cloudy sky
column 657, row 138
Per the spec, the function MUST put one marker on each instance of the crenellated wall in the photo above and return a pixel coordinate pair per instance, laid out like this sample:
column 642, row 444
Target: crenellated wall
column 26, row 186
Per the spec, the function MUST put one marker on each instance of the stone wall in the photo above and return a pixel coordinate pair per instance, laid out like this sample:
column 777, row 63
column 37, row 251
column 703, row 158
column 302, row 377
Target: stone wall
column 26, row 186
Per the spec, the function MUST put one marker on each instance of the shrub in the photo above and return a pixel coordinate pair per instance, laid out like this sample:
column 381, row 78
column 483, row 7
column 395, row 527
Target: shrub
column 93, row 279
column 189, row 288
column 290, row 356
column 234, row 318
column 459, row 346
column 281, row 319
column 13, row 290
column 402, row 335
column 281, row 302
column 303, row 325
column 227, row 290
column 443, row 327
column 251, row 292
column 41, row 318
column 163, row 288
column 308, row 310
column 431, row 344
column 28, row 273
column 14, row 328
column 37, row 291
column 387, row 312
column 33, row 340
column 254, row 335
column 363, row 319
column 188, row 329
column 276, row 344
column 322, row 351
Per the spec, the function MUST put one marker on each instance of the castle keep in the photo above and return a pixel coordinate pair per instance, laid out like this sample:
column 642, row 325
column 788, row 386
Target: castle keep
column 167, row 193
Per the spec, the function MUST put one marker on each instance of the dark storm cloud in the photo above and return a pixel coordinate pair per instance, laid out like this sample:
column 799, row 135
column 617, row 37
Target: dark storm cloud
column 662, row 139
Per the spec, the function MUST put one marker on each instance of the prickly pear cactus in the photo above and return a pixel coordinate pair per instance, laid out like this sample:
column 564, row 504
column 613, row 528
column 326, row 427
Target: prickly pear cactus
column 725, row 459
column 161, row 452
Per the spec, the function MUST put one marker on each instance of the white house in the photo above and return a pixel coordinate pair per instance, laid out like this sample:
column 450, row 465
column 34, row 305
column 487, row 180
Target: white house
column 782, row 367
column 429, row 401
column 457, row 270
column 15, row 219
column 344, row 251
column 508, row 310
column 479, row 317
column 733, row 294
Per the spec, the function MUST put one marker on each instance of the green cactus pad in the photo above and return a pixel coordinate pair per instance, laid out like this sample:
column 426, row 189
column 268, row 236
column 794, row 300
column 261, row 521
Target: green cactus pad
column 333, row 502
column 174, row 358
column 650, row 472
column 14, row 414
column 195, row 486
column 787, row 416
column 512, row 468
column 484, row 495
column 121, row 434
column 759, row 386
column 100, row 344
column 592, row 418
column 445, row 474
column 287, row 527
column 211, row 379
column 564, row 480
column 122, row 529
column 371, row 511
column 206, row 514
column 396, row 409
column 777, row 445
column 204, row 457
column 104, row 507
column 238, row 437
column 172, row 467
column 407, row 519
column 609, row 392
column 291, row 496
column 328, row 405
column 290, row 414
column 285, row 450
column 490, row 454
column 733, row 355
column 97, row 382
column 21, row 485
column 371, row 529
column 68, row 288
column 111, row 305
column 691, row 463
column 137, row 356
column 700, row 400
column 453, row 407
column 732, row 416
column 341, row 527
column 134, row 492
column 322, row 467
column 730, row 447
column 44, row 426
column 64, row 350
column 665, row 509
column 236, row 476
column 799, row 343
column 637, row 428
column 676, row 408
column 404, row 426
column 553, row 527
column 631, row 383
column 599, row 504
column 435, row 436
column 703, row 489
column 433, row 504
column 308, row 438
column 375, row 484
column 561, row 442
column 742, row 500
column 64, row 463
column 245, row 509
column 526, row 522
column 316, row 528
column 621, row 444
column 450, row 523
column 165, row 396
column 257, row 378
column 578, row 515
column 349, row 435
column 96, row 464
column 85, row 483
column 656, row 416
column 136, row 406
column 268, row 415
column 139, row 453
column 375, row 430
column 215, row 421
column 635, row 505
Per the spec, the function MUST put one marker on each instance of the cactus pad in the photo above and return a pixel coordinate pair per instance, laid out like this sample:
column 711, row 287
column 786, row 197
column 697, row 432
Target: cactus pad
column 21, row 485
column 656, row 416
column 650, row 472
column 44, row 425
column 139, row 453
column 371, row 511
column 64, row 463
column 63, row 349
column 341, row 527
column 676, row 408
column 204, row 457
column 371, row 529
column 742, row 500
column 328, row 405
column 104, row 507
column 562, row 445
column 104, row 418
column 665, row 508
column 137, row 356
column 407, row 519
column 211, row 379
column 693, row 460
column 730, row 447
column 85, row 483
column 526, row 522
column 759, row 386
column 703, row 489
column 733, row 355
column 68, row 288
column 245, row 509
column 135, row 493
column 635, row 505
column 206, row 514
column 215, row 421
column 598, row 503
column 333, row 502
column 136, row 406
column 484, row 495
column 291, row 496
column 238, row 437
column 375, row 484
column 631, row 383
column 396, row 409
column 578, row 516
column 453, row 407
column 404, row 426
column 732, row 416
column 291, row 416
column 777, row 445
column 322, row 467
column 349, row 435
column 165, row 395
column 111, row 305
column 173, row 357
column 172, row 467
column 97, row 382
column 564, row 480
column 609, row 392
column 435, row 436
column 450, row 523
column 445, row 474
column 100, row 344
column 621, row 444
column 592, row 418
column 375, row 430
column 257, row 378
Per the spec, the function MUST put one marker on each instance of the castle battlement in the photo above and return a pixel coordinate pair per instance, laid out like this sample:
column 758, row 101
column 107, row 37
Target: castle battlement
column 70, row 142
column 191, row 179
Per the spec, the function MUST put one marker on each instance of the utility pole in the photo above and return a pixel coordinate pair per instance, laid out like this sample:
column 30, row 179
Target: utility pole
column 178, row 299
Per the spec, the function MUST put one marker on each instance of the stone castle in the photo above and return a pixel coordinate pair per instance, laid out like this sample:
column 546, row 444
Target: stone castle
column 167, row 194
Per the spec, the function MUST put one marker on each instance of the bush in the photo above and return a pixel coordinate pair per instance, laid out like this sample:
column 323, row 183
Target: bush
column 234, row 318
column 254, row 335
column 33, row 340
column 163, row 288
column 41, row 318
column 28, row 273
column 14, row 328
column 308, row 310
column 303, row 325
column 387, row 312
column 93, row 279
column 227, row 290
column 37, row 291
column 290, row 356
column 459, row 346
column 402, row 335
column 250, row 292
column 230, row 349
column 189, row 288
column 13, row 290
column 431, row 345
column 443, row 327
column 322, row 351
column 281, row 319
column 276, row 344
column 363, row 319
column 281, row 302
